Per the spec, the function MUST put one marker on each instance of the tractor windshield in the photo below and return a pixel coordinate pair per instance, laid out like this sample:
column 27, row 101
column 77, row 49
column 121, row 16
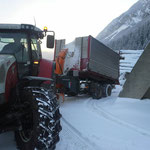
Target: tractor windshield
column 15, row 44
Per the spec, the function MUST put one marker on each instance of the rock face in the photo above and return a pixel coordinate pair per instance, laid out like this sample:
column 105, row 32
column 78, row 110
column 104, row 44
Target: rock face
column 131, row 30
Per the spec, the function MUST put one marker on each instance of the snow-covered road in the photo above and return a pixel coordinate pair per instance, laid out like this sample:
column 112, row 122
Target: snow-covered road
column 7, row 141
column 107, row 124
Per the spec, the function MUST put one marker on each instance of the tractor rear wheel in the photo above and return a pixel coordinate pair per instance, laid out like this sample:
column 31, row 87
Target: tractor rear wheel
column 40, row 125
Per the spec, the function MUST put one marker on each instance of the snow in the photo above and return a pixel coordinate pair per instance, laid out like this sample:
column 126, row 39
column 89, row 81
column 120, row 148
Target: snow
column 7, row 141
column 121, row 28
column 110, row 123
column 147, row 10
column 136, row 19
column 72, row 59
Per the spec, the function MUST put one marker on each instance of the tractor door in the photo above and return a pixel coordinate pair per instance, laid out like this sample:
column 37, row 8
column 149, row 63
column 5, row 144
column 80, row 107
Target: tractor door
column 23, row 59
column 16, row 44
column 36, row 55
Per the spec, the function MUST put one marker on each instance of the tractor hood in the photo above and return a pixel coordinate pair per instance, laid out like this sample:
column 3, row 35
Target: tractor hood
column 5, row 62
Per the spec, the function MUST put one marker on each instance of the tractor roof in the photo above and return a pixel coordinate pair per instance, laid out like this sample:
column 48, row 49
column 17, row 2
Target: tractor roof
column 19, row 26
column 23, row 27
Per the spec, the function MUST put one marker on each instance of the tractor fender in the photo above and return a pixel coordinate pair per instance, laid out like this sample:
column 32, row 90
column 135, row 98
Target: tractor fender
column 36, row 81
column 30, row 78
column 46, row 68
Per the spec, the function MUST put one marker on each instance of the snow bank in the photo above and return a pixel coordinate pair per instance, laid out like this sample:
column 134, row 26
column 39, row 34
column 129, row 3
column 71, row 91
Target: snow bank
column 73, row 57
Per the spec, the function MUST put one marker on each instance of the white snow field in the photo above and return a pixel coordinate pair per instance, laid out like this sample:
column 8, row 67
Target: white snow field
column 107, row 124
column 110, row 123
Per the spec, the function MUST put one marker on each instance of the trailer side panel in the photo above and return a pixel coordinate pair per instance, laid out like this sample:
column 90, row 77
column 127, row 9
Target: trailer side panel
column 103, row 60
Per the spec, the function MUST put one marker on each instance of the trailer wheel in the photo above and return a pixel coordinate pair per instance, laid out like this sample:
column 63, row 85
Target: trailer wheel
column 97, row 91
column 108, row 90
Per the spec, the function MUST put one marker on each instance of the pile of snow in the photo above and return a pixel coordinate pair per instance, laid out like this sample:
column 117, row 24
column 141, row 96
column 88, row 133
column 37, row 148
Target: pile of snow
column 73, row 56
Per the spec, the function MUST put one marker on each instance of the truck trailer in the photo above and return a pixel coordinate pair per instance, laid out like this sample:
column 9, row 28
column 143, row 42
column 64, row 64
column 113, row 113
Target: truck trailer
column 86, row 66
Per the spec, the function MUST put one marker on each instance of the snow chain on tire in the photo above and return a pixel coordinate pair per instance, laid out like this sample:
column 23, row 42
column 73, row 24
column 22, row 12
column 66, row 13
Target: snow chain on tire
column 40, row 128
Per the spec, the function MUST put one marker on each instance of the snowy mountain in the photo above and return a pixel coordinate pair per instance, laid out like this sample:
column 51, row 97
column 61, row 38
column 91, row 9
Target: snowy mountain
column 131, row 30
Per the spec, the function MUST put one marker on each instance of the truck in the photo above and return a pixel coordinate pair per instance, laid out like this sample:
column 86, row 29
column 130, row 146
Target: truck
column 28, row 102
column 86, row 66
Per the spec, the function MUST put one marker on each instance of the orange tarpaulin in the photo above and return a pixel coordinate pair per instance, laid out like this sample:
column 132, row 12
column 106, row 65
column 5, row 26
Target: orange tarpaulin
column 60, row 60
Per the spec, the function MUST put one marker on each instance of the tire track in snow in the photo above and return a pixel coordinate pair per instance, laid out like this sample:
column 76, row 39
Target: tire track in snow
column 99, row 110
column 83, row 143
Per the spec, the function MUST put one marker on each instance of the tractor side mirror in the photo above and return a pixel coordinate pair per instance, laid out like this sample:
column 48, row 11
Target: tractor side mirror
column 50, row 41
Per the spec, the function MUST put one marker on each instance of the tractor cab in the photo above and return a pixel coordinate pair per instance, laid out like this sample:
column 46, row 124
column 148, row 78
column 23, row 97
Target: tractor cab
column 26, row 89
column 23, row 42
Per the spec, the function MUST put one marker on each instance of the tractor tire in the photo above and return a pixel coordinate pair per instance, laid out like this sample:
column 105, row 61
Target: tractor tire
column 40, row 127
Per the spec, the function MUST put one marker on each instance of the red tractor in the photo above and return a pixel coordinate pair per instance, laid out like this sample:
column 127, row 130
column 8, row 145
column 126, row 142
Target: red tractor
column 28, row 105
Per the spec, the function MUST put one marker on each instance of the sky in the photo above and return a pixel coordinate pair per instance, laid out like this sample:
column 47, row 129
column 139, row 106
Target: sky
column 68, row 18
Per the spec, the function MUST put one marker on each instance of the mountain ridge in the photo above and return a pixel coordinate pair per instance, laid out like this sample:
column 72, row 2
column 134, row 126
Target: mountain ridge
column 134, row 23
